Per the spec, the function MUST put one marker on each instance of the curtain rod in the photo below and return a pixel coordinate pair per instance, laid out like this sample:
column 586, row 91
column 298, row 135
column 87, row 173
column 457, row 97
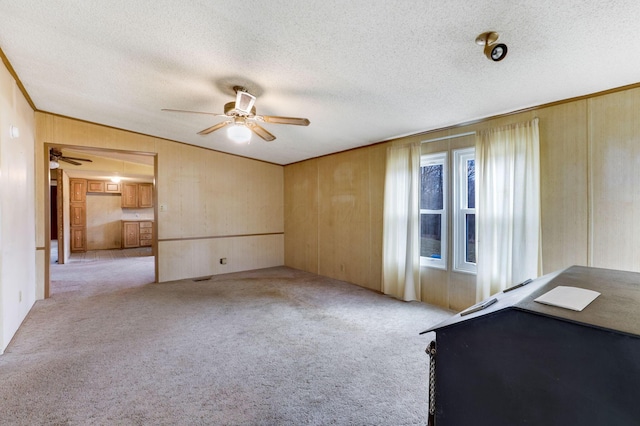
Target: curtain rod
column 449, row 137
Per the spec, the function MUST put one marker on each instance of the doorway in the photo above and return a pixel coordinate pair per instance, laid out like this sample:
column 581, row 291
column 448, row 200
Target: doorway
column 85, row 239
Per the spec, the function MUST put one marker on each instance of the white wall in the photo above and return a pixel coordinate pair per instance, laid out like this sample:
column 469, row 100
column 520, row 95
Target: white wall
column 17, row 209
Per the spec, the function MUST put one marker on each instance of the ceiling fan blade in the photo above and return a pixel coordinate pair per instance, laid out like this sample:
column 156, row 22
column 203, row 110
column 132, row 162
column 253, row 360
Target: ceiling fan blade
column 193, row 112
column 262, row 132
column 214, row 128
column 66, row 160
column 77, row 159
column 283, row 120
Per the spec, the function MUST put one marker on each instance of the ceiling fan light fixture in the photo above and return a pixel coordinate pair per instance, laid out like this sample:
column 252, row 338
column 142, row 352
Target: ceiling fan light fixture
column 244, row 100
column 239, row 133
column 53, row 164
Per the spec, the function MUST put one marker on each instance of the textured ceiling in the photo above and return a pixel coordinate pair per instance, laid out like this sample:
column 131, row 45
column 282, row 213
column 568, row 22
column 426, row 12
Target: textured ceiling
column 361, row 71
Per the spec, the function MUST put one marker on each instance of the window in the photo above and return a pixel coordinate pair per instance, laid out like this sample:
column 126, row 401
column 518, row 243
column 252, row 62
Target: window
column 464, row 210
column 433, row 210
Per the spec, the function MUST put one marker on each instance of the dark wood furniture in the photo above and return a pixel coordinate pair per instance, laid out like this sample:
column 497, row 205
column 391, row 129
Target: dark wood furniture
column 519, row 362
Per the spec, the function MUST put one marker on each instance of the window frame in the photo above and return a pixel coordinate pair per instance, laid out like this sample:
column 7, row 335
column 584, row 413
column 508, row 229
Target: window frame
column 461, row 209
column 433, row 159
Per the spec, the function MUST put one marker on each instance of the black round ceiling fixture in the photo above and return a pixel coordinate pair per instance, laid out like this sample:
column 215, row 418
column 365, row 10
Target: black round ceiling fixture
column 498, row 52
column 492, row 50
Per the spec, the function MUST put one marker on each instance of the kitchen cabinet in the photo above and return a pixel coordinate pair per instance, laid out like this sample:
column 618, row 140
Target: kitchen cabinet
column 95, row 186
column 78, row 239
column 137, row 195
column 145, row 195
column 111, row 188
column 129, row 195
column 78, row 214
column 146, row 234
column 78, row 190
column 137, row 233
column 102, row 187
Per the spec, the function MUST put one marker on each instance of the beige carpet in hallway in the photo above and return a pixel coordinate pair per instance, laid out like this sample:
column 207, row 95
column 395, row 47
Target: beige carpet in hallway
column 269, row 347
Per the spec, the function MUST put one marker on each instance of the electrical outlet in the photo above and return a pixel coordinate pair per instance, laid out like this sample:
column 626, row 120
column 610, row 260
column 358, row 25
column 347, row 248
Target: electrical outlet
column 163, row 207
column 223, row 260
column 20, row 296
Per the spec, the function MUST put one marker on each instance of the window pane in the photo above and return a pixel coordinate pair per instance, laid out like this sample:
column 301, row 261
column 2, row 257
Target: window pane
column 430, row 235
column 431, row 187
column 470, row 242
column 471, row 184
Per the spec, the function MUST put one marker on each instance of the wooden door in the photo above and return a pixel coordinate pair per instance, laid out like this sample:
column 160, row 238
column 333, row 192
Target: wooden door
column 145, row 195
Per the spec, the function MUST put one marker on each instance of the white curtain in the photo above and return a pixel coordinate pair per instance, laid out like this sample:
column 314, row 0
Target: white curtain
column 508, row 200
column 401, row 225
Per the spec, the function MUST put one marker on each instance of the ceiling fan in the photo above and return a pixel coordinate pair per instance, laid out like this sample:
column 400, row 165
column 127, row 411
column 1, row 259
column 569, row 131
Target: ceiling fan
column 55, row 155
column 242, row 114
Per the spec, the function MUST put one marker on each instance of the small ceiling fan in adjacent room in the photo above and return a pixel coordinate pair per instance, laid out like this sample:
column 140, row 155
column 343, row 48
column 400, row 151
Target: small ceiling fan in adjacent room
column 55, row 156
column 242, row 115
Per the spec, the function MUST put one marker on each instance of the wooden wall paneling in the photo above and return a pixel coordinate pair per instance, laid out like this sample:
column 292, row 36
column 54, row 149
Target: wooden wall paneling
column 223, row 191
column 73, row 132
column 564, row 185
column 43, row 132
column 238, row 190
column 344, row 221
column 198, row 258
column 168, row 188
column 179, row 261
column 434, row 286
column 252, row 198
column 377, row 169
column 192, row 191
column 461, row 290
column 213, row 205
column 301, row 216
column 267, row 197
column 615, row 179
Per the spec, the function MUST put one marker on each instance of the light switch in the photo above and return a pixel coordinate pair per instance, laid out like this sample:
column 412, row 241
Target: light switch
column 163, row 207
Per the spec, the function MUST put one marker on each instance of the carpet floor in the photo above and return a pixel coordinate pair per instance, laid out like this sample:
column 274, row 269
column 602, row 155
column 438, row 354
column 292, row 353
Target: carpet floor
column 271, row 347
